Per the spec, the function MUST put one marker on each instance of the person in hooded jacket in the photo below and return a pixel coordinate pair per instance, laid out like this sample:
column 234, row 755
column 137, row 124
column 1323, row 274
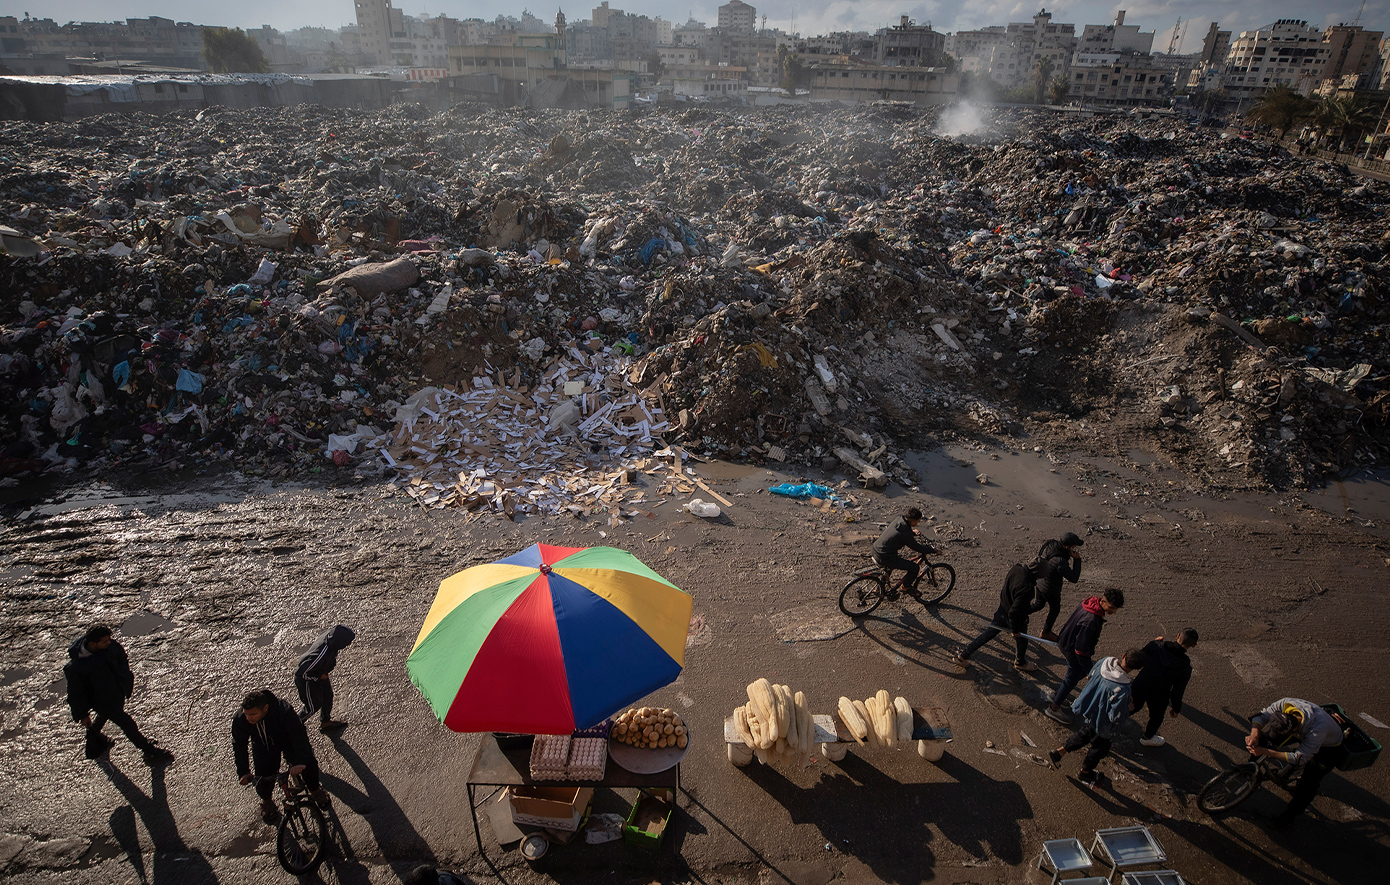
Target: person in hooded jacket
column 1319, row 749
column 1103, row 704
column 1015, row 604
column 1077, row 643
column 271, row 729
column 1163, row 681
column 100, row 681
column 902, row 534
column 1065, row 565
column 311, row 676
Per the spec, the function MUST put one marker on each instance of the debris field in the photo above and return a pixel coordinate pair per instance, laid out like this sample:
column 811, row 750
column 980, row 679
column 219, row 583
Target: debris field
column 528, row 309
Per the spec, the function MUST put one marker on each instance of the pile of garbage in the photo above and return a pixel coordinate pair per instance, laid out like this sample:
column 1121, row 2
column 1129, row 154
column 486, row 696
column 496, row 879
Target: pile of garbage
column 296, row 289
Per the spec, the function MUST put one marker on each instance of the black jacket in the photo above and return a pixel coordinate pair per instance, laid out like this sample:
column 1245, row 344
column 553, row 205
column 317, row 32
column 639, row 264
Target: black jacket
column 280, row 730
column 897, row 537
column 1167, row 669
column 1060, row 567
column 97, row 680
column 320, row 660
column 1081, row 632
column 1015, row 599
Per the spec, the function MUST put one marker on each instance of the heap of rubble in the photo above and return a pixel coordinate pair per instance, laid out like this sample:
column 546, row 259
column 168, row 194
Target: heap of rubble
column 300, row 289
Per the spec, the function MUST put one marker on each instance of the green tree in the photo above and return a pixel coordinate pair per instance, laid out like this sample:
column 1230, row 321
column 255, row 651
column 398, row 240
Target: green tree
column 1349, row 117
column 230, row 50
column 1042, row 75
column 655, row 66
column 1280, row 108
column 1058, row 89
column 795, row 74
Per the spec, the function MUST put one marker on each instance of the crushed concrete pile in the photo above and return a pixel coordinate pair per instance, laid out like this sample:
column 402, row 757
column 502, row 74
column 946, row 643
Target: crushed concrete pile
column 286, row 290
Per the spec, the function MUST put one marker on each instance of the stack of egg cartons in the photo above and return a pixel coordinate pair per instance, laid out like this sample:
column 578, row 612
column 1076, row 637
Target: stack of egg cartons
column 550, row 757
column 588, row 759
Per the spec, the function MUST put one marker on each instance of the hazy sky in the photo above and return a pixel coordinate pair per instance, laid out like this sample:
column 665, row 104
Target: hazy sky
column 797, row 15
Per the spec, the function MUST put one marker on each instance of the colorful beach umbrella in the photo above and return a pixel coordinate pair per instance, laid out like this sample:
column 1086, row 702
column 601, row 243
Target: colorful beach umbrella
column 548, row 640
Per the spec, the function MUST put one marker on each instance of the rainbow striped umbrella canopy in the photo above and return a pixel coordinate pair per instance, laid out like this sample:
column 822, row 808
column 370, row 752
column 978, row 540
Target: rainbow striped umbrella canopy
column 548, row 640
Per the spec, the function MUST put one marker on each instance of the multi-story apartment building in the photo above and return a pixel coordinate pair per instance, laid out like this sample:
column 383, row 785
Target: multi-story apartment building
column 1351, row 49
column 909, row 44
column 738, row 16
column 1010, row 55
column 154, row 40
column 1119, row 79
column 1285, row 53
column 1118, row 37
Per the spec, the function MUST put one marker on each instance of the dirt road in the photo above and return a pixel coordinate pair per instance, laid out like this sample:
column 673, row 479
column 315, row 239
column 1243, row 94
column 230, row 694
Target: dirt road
column 218, row 591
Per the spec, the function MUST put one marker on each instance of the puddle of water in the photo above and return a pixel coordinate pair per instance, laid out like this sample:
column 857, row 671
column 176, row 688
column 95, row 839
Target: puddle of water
column 1362, row 496
column 263, row 640
column 1142, row 457
column 145, row 623
column 13, row 675
column 1028, row 474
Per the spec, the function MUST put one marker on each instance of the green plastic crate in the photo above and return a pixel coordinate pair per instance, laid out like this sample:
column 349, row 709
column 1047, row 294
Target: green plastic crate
column 647, row 822
column 1362, row 749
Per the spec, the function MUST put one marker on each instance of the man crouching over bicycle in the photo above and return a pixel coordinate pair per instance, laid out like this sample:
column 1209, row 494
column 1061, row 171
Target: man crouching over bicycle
column 272, row 729
column 902, row 534
column 1315, row 743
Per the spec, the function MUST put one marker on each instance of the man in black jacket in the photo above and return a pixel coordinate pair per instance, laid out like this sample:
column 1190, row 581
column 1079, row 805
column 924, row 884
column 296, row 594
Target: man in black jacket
column 272, row 730
column 100, row 680
column 1162, row 681
column 1065, row 563
column 1015, row 604
column 902, row 534
column 311, row 677
column 1077, row 643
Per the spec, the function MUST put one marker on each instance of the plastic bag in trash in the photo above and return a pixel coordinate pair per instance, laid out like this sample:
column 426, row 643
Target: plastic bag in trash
column 704, row 509
column 805, row 490
column 603, row 828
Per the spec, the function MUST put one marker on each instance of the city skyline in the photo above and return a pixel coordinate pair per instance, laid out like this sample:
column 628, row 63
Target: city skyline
column 838, row 15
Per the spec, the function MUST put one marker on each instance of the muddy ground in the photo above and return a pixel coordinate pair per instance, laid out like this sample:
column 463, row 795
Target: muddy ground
column 219, row 583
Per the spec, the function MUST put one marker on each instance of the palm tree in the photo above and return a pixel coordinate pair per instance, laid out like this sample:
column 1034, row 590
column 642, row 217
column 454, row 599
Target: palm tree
column 1280, row 108
column 1041, row 75
column 1349, row 116
column 1057, row 90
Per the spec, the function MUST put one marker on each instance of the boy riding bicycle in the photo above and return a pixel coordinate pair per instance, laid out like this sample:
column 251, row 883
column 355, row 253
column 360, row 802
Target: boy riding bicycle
column 902, row 534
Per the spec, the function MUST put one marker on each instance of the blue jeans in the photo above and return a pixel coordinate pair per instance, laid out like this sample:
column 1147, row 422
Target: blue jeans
column 1077, row 668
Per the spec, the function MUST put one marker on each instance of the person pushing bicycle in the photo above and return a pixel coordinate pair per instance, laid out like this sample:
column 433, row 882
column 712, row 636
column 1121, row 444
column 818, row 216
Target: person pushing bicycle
column 1318, row 749
column 902, row 534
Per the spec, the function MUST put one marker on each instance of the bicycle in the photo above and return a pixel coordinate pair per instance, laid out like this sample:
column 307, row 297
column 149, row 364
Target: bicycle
column 301, row 837
column 1239, row 782
column 870, row 587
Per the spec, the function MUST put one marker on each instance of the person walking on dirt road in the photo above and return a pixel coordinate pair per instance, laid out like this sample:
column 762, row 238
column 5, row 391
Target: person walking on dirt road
column 271, row 729
column 1065, row 564
column 902, row 534
column 1015, row 603
column 1163, row 681
column 311, row 676
column 1103, row 704
column 1077, row 643
column 100, row 681
column 1319, row 750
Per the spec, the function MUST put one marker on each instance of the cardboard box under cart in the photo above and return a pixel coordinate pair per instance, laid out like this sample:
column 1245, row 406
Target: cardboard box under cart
column 554, row 808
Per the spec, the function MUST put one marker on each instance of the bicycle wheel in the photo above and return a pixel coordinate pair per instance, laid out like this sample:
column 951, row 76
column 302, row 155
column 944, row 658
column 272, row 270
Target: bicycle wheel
column 936, row 584
column 1229, row 788
column 301, row 838
column 861, row 596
